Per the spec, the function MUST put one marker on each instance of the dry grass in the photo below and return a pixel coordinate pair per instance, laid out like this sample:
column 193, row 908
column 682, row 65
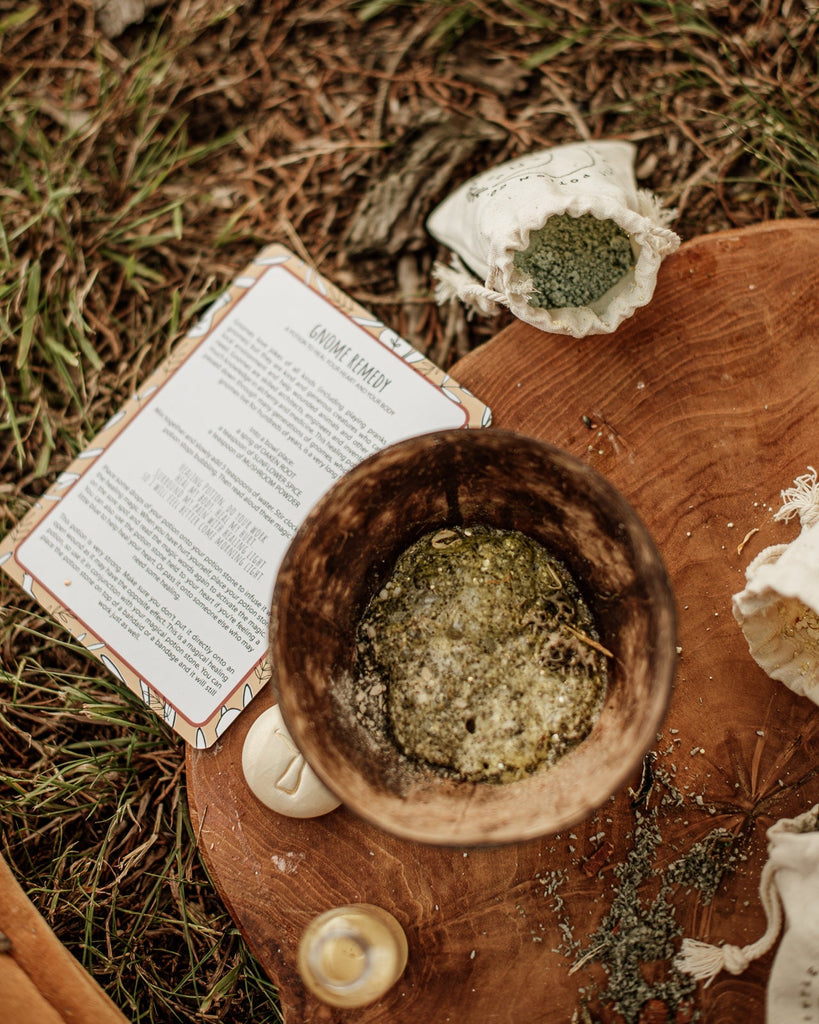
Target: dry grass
column 140, row 172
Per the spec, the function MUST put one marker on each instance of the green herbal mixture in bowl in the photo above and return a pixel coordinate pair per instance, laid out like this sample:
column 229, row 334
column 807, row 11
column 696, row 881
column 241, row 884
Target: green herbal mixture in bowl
column 480, row 655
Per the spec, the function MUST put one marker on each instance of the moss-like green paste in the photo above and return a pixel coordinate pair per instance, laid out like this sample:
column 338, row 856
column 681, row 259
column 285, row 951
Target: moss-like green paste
column 482, row 654
column 572, row 261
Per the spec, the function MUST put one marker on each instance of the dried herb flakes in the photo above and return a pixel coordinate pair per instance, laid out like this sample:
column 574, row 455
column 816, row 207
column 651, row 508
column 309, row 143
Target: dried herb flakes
column 638, row 939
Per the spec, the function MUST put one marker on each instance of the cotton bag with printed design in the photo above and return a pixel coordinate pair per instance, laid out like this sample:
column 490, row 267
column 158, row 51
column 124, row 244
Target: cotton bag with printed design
column 571, row 216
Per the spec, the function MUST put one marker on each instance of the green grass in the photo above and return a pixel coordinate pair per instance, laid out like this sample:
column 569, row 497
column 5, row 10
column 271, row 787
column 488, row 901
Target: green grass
column 111, row 859
column 138, row 175
column 86, row 213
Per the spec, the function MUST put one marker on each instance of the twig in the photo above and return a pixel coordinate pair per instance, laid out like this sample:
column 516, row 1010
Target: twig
column 592, row 953
column 588, row 640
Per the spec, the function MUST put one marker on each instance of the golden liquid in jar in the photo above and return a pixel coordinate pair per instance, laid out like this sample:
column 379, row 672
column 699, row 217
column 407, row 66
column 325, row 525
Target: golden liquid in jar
column 351, row 955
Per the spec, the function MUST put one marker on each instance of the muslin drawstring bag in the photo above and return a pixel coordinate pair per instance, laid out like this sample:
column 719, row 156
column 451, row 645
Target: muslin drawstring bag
column 562, row 237
column 789, row 884
column 778, row 611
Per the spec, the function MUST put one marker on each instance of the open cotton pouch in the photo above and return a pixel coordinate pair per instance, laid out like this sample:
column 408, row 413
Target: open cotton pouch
column 778, row 611
column 562, row 237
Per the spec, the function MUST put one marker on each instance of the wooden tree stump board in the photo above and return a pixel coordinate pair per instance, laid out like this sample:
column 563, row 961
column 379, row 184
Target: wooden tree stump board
column 703, row 407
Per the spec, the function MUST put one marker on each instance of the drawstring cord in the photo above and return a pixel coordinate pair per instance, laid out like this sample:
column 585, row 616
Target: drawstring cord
column 704, row 962
column 456, row 282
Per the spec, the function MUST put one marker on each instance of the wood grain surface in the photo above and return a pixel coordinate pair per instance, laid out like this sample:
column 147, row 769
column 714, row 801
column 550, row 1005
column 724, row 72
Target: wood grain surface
column 700, row 409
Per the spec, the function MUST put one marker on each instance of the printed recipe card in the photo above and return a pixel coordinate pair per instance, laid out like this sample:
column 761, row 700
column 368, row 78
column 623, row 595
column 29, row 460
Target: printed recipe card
column 159, row 547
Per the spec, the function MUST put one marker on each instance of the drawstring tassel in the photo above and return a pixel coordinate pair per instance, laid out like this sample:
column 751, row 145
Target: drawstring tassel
column 650, row 207
column 801, row 500
column 704, row 962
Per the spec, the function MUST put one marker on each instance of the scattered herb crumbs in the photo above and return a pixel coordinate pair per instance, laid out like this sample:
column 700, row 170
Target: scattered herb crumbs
column 572, row 261
column 705, row 864
column 638, row 931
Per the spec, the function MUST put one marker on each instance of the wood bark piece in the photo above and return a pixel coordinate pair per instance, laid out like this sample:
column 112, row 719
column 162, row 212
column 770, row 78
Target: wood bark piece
column 392, row 212
column 700, row 409
column 38, row 973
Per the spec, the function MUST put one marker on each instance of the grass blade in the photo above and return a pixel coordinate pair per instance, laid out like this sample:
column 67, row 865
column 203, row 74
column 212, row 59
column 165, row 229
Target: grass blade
column 30, row 315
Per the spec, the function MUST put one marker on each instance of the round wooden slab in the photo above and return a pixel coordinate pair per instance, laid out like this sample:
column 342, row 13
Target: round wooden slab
column 700, row 409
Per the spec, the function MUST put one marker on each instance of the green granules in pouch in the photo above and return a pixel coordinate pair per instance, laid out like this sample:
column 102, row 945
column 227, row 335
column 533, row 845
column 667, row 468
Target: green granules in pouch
column 572, row 261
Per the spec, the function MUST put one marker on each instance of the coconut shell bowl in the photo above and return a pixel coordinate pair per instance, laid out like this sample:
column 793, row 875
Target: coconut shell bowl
column 347, row 548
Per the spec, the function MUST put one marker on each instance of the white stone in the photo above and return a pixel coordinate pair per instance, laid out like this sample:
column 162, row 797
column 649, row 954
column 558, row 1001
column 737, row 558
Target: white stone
column 278, row 774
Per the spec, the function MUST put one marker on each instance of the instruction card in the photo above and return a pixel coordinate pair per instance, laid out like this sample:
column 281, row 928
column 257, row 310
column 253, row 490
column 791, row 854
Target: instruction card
column 159, row 547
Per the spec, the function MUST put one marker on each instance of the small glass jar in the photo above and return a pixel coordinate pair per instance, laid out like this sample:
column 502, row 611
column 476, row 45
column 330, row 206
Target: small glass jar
column 351, row 955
